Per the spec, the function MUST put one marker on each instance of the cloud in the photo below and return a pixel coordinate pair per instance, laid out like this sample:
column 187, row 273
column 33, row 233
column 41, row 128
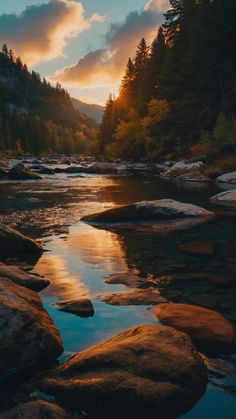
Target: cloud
column 40, row 33
column 105, row 66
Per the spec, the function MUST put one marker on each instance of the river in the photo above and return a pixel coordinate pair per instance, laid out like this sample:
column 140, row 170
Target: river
column 79, row 257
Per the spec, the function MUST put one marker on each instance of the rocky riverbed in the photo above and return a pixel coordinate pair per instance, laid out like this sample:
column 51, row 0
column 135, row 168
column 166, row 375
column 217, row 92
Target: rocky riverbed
column 148, row 310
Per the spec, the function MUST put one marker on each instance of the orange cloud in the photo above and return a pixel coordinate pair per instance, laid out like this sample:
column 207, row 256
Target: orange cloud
column 105, row 66
column 40, row 33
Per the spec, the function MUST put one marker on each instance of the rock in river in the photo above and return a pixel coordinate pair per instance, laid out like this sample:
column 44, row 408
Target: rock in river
column 224, row 198
column 81, row 308
column 37, row 409
column 20, row 172
column 149, row 211
column 28, row 334
column 207, row 328
column 14, row 243
column 20, row 277
column 227, row 177
column 198, row 247
column 149, row 296
column 126, row 278
column 145, row 372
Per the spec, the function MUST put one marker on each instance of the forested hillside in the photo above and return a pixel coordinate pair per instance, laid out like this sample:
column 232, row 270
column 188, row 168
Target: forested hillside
column 178, row 95
column 91, row 110
column 36, row 118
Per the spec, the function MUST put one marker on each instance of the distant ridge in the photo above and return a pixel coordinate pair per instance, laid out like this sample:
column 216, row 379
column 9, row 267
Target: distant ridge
column 90, row 110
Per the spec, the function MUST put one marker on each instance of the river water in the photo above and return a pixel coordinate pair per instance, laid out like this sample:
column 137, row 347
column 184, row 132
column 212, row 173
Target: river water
column 79, row 257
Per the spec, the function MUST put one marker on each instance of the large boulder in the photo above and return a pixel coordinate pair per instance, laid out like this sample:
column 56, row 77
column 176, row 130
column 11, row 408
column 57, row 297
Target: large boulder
column 20, row 172
column 225, row 198
column 146, row 371
column 36, row 409
column 159, row 210
column 227, row 177
column 20, row 277
column 14, row 243
column 207, row 328
column 28, row 335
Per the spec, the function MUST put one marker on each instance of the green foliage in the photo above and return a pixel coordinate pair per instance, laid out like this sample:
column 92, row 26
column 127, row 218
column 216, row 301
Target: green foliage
column 36, row 118
column 182, row 87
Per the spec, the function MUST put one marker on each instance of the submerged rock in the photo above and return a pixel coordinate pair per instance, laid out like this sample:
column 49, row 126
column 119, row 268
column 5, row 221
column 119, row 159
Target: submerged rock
column 226, row 197
column 146, row 371
column 149, row 296
column 81, row 308
column 28, row 334
column 20, row 172
column 207, row 328
column 227, row 177
column 126, row 278
column 14, row 243
column 148, row 211
column 198, row 248
column 20, row 277
column 37, row 409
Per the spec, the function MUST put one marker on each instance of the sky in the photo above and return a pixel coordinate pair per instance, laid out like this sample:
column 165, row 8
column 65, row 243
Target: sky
column 84, row 45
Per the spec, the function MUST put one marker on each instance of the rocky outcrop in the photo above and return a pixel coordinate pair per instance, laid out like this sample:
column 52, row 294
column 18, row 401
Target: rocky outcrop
column 149, row 296
column 37, row 409
column 14, row 243
column 227, row 177
column 149, row 211
column 207, row 328
column 20, row 172
column 28, row 334
column 81, row 308
column 143, row 372
column 20, row 277
column 225, row 198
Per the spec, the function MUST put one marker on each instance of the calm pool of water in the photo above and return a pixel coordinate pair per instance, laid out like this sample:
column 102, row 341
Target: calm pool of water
column 79, row 257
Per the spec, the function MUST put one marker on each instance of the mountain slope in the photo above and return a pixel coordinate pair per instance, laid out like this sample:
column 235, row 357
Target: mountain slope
column 91, row 110
column 36, row 117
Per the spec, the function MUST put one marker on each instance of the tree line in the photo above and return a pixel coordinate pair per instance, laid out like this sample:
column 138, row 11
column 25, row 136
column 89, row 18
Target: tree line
column 178, row 95
column 35, row 117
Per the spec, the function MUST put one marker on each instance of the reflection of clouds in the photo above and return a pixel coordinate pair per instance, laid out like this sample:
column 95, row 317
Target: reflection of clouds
column 98, row 247
column 63, row 284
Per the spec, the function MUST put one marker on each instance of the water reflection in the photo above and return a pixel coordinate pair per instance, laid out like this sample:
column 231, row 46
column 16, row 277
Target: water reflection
column 80, row 257
column 64, row 286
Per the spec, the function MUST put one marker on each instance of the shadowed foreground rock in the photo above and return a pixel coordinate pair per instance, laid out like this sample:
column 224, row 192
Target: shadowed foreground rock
column 207, row 328
column 14, row 243
column 81, row 308
column 149, row 211
column 28, row 335
column 20, row 277
column 38, row 409
column 146, row 372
